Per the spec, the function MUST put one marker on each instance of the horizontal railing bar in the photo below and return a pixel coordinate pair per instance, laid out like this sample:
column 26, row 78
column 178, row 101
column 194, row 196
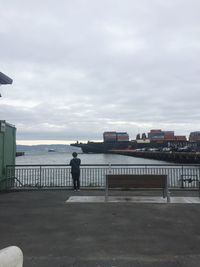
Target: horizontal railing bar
column 105, row 165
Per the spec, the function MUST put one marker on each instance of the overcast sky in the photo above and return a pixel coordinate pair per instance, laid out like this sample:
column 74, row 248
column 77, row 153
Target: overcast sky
column 82, row 67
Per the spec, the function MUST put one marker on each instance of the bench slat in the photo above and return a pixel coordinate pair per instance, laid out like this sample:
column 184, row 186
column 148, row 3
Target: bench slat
column 136, row 181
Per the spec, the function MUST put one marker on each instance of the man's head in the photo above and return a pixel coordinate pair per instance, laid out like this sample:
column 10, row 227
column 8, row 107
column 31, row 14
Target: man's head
column 74, row 154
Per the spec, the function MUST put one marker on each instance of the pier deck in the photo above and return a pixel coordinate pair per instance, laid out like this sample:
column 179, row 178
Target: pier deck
column 177, row 157
column 53, row 233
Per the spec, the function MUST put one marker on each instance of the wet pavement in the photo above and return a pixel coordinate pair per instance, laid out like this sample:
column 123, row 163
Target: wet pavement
column 55, row 233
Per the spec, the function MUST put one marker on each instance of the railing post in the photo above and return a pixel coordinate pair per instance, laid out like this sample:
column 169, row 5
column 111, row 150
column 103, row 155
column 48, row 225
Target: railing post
column 40, row 177
column 145, row 169
column 110, row 168
column 182, row 183
column 167, row 189
column 106, row 181
column 106, row 189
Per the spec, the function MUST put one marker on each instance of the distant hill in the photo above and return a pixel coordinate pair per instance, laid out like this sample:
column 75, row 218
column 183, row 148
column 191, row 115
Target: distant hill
column 43, row 148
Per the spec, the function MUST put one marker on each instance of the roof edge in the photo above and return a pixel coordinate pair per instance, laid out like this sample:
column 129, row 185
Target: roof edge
column 4, row 79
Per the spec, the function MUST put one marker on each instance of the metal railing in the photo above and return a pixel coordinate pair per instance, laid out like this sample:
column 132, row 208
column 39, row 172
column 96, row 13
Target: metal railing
column 93, row 176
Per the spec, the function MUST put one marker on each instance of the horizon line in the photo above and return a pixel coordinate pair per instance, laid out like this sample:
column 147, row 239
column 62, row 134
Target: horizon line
column 51, row 142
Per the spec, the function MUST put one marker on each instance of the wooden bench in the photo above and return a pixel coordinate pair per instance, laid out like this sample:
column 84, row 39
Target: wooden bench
column 132, row 181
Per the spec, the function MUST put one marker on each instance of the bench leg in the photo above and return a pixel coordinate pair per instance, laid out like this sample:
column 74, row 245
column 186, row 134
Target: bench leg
column 168, row 196
column 106, row 196
column 164, row 193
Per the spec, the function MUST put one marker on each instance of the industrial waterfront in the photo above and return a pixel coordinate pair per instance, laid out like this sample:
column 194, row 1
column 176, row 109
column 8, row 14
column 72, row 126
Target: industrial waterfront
column 156, row 145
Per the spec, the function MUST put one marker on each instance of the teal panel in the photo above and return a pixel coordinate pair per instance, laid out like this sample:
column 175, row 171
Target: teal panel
column 1, row 154
column 7, row 147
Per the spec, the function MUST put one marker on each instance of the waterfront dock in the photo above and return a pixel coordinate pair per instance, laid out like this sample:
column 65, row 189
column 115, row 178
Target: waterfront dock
column 176, row 157
column 52, row 233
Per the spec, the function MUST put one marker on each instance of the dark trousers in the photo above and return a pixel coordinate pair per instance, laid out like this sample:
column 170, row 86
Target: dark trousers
column 76, row 180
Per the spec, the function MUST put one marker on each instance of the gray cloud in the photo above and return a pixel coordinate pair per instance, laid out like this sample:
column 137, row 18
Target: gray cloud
column 84, row 67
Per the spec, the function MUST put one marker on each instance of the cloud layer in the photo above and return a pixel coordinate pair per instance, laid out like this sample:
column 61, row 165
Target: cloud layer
column 83, row 67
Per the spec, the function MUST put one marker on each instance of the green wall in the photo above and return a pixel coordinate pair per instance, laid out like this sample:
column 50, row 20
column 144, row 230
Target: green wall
column 7, row 147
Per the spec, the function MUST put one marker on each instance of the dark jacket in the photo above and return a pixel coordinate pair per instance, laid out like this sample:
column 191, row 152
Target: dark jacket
column 75, row 165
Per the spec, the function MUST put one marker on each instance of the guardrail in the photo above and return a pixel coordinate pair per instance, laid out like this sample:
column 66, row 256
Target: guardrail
column 93, row 176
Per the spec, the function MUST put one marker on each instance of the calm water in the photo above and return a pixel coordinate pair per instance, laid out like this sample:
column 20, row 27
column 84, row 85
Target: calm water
column 64, row 158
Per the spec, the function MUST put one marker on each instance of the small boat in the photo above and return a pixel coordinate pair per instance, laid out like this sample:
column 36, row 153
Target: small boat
column 19, row 153
column 51, row 150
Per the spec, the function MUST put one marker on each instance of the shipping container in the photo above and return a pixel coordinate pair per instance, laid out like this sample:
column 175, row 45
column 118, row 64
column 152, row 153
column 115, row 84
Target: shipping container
column 156, row 137
column 122, row 137
column 194, row 136
column 169, row 132
column 155, row 134
column 169, row 135
column 180, row 138
column 110, row 136
column 156, row 131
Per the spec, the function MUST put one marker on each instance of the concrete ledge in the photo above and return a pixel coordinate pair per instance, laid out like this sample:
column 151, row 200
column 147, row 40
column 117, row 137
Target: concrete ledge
column 11, row 257
column 101, row 199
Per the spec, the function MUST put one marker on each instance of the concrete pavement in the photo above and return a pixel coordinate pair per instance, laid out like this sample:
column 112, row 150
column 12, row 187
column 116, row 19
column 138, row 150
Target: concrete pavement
column 55, row 234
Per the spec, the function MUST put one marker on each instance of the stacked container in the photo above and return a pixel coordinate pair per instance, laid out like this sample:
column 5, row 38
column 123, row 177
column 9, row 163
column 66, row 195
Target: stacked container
column 109, row 137
column 169, row 135
column 122, row 137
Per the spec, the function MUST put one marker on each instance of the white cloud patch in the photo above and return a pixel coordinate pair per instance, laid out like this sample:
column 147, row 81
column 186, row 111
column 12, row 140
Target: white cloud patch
column 83, row 67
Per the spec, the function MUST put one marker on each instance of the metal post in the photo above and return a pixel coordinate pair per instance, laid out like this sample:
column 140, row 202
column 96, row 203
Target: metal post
column 167, row 191
column 106, row 190
column 110, row 169
column 182, row 183
column 39, row 186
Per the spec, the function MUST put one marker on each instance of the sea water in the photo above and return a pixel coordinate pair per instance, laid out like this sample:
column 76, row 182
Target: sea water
column 45, row 158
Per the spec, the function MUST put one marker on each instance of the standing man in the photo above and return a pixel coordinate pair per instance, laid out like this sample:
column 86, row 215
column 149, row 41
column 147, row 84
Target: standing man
column 75, row 171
